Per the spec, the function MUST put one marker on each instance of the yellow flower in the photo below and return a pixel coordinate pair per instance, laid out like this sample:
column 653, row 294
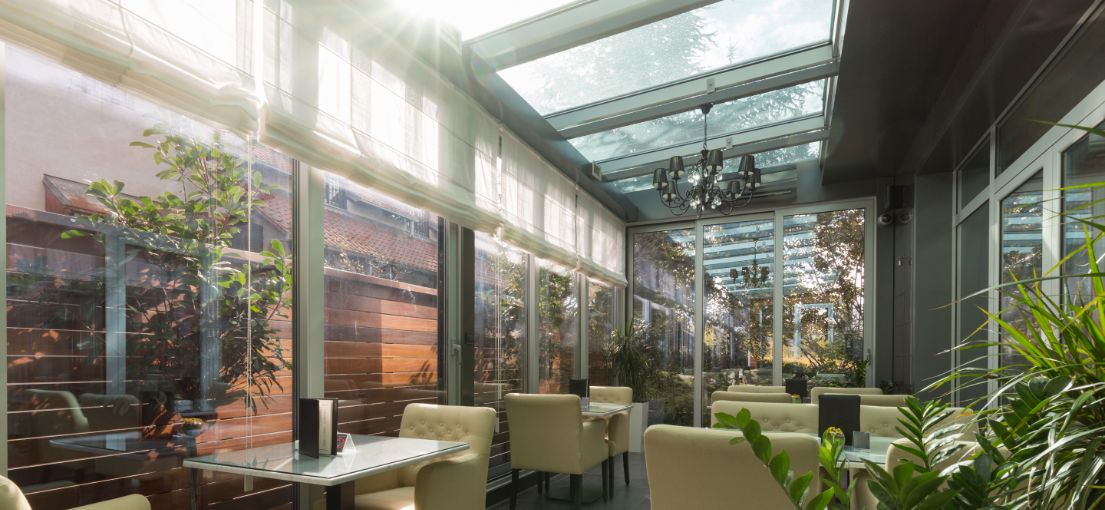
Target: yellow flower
column 834, row 431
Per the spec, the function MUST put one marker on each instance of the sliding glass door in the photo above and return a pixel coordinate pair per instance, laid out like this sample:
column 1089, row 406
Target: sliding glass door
column 767, row 310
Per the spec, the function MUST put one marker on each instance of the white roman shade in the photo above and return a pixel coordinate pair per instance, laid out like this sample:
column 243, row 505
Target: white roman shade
column 324, row 83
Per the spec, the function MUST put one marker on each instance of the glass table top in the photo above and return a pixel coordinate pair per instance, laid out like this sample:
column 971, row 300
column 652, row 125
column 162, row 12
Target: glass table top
column 605, row 409
column 373, row 454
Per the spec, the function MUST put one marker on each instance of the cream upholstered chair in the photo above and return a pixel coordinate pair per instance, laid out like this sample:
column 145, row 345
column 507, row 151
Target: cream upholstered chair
column 11, row 498
column 617, row 426
column 549, row 435
column 816, row 393
column 455, row 482
column 752, row 388
column 773, row 417
column 883, row 400
column 739, row 396
column 864, row 499
column 883, row 421
column 697, row 468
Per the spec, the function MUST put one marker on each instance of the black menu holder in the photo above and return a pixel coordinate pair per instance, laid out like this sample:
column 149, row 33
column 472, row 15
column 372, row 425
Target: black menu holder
column 318, row 426
column 840, row 411
column 579, row 387
column 798, row 386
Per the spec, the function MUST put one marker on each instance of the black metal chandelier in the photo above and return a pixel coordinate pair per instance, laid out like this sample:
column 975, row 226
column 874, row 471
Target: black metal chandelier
column 754, row 276
column 707, row 190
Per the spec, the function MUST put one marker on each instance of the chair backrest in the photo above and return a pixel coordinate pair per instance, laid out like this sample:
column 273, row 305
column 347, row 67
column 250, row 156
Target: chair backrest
column 883, row 400
column 612, row 394
column 11, row 498
column 773, row 417
column 883, row 421
column 472, row 425
column 698, row 468
column 750, row 397
column 752, row 388
column 545, row 430
column 816, row 393
column 58, row 412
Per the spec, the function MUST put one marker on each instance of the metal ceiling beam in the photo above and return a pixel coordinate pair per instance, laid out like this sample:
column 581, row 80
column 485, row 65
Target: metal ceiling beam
column 780, row 71
column 571, row 26
column 775, row 136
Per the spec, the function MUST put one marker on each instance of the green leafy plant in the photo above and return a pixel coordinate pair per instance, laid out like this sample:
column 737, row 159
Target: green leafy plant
column 194, row 298
column 631, row 357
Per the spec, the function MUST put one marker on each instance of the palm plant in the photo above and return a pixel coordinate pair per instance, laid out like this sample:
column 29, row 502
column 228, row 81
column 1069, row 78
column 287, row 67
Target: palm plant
column 630, row 355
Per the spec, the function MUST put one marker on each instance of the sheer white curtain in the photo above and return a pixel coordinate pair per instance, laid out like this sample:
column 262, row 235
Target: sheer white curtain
column 321, row 82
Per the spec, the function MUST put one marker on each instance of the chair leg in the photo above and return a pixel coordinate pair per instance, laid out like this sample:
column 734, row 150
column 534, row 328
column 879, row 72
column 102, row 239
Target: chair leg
column 540, row 482
column 610, row 482
column 576, row 485
column 548, row 480
column 606, row 473
column 625, row 466
column 513, row 488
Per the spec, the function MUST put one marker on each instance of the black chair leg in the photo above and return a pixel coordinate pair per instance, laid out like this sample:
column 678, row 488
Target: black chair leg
column 606, row 473
column 548, row 479
column 610, row 460
column 513, row 488
column 576, row 485
column 625, row 466
column 540, row 482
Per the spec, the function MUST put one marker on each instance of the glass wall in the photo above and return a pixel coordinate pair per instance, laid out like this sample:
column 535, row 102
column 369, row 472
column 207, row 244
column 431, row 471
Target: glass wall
column 971, row 277
column 557, row 327
column 1022, row 247
column 823, row 297
column 1083, row 163
column 149, row 314
column 602, row 320
column 381, row 340
column 738, row 342
column 501, row 334
column 664, row 302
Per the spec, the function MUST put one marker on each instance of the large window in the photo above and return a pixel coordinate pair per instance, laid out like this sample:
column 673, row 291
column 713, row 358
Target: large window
column 557, row 327
column 148, row 278
column 823, row 297
column 1083, row 163
column 1022, row 247
column 382, row 342
column 663, row 300
column 739, row 261
column 501, row 333
column 602, row 306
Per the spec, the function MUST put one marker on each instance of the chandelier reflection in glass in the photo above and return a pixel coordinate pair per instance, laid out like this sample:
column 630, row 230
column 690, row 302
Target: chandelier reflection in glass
column 754, row 276
column 705, row 189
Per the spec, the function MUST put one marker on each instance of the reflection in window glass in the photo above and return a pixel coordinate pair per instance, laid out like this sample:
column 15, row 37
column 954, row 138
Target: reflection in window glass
column 500, row 314
column 729, row 117
column 149, row 300
column 823, row 283
column 601, row 322
column 1022, row 246
column 971, row 269
column 975, row 174
column 558, row 327
column 663, row 301
column 711, row 37
column 1083, row 163
column 381, row 341
column 738, row 259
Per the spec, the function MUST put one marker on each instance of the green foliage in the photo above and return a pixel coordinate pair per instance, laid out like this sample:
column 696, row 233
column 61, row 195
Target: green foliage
column 631, row 357
column 797, row 487
column 191, row 290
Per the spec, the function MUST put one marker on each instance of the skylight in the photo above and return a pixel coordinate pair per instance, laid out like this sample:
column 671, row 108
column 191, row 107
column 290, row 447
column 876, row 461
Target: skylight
column 716, row 36
column 729, row 117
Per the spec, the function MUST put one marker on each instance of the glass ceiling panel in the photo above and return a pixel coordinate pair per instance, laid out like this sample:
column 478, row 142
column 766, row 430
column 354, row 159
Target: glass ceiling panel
column 737, row 115
column 490, row 15
column 708, row 38
column 768, row 159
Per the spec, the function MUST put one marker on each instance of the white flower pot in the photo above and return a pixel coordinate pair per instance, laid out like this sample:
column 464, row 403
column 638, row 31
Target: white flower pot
column 638, row 422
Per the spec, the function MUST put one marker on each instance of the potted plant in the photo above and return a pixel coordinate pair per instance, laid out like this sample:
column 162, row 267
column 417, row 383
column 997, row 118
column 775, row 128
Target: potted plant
column 630, row 357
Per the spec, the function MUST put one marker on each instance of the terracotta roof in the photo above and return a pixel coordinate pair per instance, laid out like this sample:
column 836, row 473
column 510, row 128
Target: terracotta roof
column 340, row 231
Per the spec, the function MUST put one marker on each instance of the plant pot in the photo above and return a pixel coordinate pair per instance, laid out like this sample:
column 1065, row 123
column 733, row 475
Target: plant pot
column 638, row 422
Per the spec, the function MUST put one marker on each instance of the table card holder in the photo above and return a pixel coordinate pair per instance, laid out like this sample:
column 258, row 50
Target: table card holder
column 580, row 387
column 840, row 411
column 319, row 415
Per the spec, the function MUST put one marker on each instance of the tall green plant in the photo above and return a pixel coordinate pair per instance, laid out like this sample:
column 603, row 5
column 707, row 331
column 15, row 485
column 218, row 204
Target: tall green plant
column 630, row 355
column 195, row 300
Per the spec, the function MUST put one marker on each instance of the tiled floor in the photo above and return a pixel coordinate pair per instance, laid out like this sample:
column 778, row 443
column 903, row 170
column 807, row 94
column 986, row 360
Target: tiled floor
column 633, row 497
